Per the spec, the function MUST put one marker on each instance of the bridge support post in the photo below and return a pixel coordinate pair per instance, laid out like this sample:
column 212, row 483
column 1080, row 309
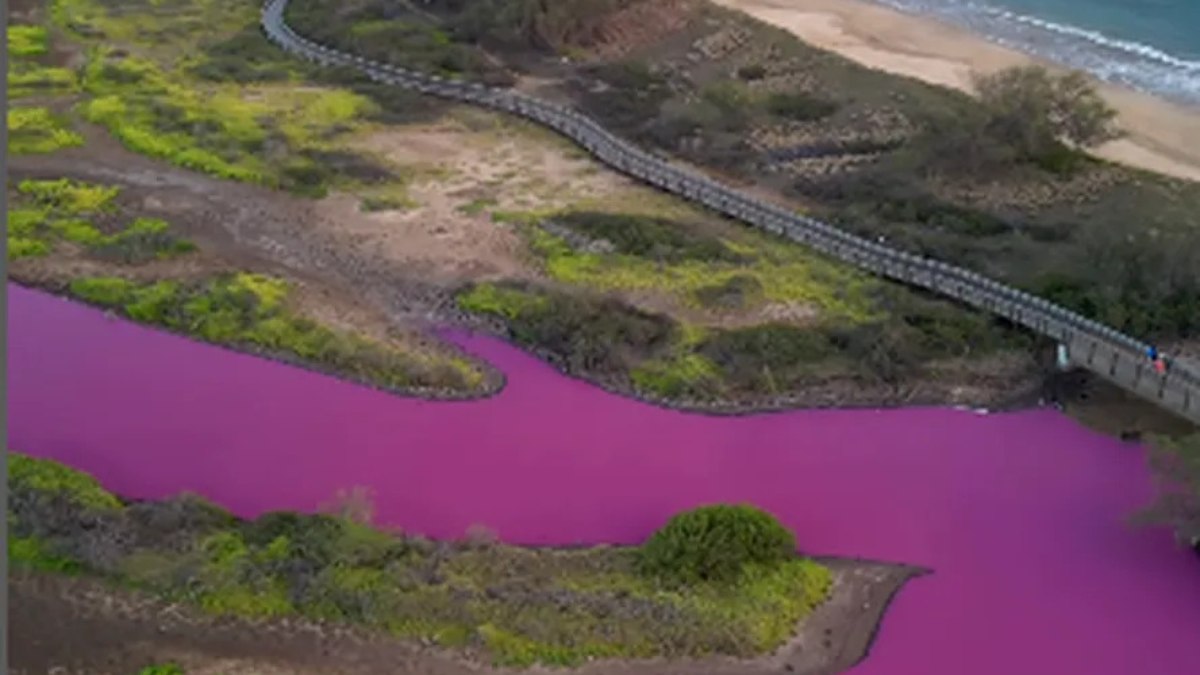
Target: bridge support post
column 1062, row 357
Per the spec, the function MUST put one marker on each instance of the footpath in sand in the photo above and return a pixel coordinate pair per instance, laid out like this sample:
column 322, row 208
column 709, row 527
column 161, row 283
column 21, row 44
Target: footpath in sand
column 1162, row 136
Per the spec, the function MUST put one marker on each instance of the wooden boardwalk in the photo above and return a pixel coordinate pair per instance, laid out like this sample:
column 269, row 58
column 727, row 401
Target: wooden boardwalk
column 1116, row 357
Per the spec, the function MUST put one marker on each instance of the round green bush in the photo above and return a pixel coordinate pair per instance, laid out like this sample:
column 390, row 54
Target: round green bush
column 715, row 544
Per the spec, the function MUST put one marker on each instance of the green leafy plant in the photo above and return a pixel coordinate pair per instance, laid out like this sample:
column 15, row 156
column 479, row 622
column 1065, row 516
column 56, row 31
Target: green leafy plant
column 716, row 543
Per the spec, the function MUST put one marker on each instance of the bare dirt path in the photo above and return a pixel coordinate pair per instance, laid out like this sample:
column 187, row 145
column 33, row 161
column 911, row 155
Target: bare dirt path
column 78, row 626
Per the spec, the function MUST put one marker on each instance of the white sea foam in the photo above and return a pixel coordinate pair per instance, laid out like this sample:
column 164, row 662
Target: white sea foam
column 1126, row 62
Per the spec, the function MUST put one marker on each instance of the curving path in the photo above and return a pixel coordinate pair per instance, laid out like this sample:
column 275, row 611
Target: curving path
column 1101, row 349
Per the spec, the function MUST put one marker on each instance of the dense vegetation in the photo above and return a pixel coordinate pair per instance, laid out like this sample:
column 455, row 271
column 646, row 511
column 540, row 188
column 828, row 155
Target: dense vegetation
column 30, row 72
column 715, row 544
column 250, row 311
column 862, row 327
column 46, row 212
column 36, row 130
column 519, row 606
column 232, row 108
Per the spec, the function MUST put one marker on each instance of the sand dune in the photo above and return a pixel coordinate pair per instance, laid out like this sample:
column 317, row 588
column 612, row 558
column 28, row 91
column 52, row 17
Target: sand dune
column 1162, row 136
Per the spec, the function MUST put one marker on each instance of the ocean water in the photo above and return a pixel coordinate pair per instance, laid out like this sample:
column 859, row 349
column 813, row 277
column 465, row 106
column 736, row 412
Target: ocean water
column 1149, row 45
column 1021, row 517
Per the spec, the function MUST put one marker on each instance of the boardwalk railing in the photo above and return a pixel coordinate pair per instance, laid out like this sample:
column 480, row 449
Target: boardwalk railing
column 1092, row 345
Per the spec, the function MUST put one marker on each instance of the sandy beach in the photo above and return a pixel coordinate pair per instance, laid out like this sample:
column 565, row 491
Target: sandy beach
column 1162, row 136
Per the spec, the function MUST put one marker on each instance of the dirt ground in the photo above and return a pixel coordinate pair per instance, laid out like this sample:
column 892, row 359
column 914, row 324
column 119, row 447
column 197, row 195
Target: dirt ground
column 77, row 626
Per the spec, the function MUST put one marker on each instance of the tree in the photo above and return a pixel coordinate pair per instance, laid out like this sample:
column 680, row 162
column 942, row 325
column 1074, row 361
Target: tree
column 1035, row 111
column 1176, row 466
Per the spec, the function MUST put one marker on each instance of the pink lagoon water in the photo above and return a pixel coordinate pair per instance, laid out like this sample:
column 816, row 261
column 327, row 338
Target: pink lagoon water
column 1020, row 516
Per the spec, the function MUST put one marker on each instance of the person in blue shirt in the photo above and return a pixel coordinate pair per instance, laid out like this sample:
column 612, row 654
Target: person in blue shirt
column 1152, row 353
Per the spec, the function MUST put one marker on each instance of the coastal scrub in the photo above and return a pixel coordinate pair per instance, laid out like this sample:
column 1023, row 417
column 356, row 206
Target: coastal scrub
column 47, row 212
column 27, row 75
column 250, row 311
column 523, row 606
column 35, row 130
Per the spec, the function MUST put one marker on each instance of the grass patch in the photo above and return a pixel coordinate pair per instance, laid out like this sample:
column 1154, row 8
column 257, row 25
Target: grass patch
column 656, row 255
column 25, row 41
column 585, row 334
column 35, row 130
column 26, row 75
column 197, row 85
column 249, row 311
column 224, row 131
column 49, row 211
column 32, row 80
column 162, row 669
column 524, row 606
column 392, row 35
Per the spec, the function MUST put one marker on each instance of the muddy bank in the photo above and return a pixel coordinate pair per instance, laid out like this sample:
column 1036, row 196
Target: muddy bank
column 75, row 625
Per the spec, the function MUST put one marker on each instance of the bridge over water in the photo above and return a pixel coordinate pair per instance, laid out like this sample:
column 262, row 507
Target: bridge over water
column 1112, row 355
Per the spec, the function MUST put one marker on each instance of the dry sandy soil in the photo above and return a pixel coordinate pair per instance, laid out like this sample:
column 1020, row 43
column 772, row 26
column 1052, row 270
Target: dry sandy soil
column 400, row 265
column 81, row 627
column 1163, row 137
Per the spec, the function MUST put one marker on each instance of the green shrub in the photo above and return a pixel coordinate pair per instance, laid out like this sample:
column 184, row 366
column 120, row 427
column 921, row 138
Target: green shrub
column 648, row 237
column 686, row 376
column 50, row 477
column 586, row 334
column 716, row 544
column 161, row 669
column 37, row 131
column 30, row 553
column 736, row 292
column 767, row 358
column 248, row 310
column 26, row 41
column 34, row 80
column 799, row 106
column 69, row 197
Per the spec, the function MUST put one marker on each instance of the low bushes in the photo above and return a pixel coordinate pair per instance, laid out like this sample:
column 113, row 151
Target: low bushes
column 769, row 358
column 49, row 211
column 585, row 333
column 249, row 311
column 231, row 109
column 799, row 107
column 267, row 137
column 26, row 41
column 648, row 237
column 521, row 606
column 31, row 80
column 388, row 33
column 35, row 130
column 27, row 75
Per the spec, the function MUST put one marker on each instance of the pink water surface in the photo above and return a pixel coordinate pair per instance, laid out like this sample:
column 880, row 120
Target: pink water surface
column 1021, row 516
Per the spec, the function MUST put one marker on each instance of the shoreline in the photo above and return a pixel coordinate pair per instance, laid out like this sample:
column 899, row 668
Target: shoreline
column 1163, row 136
